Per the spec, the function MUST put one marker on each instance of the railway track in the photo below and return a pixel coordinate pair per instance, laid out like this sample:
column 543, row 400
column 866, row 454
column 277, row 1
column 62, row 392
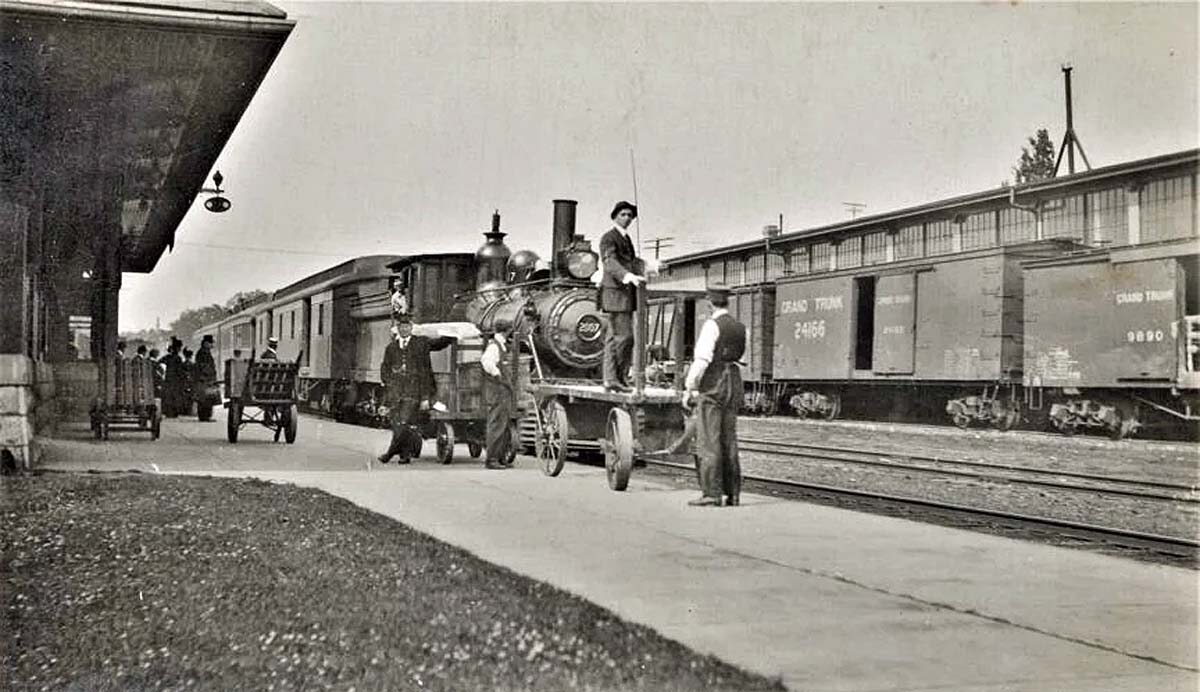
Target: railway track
column 1141, row 545
column 980, row 470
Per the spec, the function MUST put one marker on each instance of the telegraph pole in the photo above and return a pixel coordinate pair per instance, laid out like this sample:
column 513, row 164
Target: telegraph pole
column 658, row 243
column 1070, row 140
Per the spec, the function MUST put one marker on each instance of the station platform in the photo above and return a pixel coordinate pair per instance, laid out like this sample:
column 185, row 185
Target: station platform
column 827, row 599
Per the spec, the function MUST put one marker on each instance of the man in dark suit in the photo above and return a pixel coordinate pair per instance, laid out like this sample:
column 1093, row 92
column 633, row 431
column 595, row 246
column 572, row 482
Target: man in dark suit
column 407, row 376
column 622, row 273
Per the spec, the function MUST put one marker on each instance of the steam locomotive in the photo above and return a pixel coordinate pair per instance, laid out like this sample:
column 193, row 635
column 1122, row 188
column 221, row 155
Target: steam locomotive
column 337, row 322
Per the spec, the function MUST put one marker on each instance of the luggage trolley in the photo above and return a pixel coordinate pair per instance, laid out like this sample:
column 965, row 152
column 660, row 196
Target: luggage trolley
column 460, row 389
column 128, row 401
column 581, row 416
column 268, row 385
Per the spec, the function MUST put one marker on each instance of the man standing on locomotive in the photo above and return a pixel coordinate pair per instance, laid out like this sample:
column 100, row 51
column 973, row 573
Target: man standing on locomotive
column 407, row 376
column 714, row 384
column 500, row 401
column 621, row 273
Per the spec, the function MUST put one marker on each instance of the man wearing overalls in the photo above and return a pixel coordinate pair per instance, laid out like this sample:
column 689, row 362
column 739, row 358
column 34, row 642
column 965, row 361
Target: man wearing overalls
column 500, row 401
column 714, row 384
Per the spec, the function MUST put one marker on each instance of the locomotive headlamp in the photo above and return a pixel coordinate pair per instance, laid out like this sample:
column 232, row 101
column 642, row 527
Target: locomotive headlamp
column 581, row 264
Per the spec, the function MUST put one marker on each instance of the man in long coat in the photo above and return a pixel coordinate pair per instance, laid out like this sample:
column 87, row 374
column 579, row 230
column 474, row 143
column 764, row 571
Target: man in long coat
column 205, row 380
column 622, row 273
column 407, row 376
column 714, row 383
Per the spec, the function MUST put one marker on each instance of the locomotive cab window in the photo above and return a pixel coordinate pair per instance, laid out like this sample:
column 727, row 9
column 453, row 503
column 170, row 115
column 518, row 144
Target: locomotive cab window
column 864, row 341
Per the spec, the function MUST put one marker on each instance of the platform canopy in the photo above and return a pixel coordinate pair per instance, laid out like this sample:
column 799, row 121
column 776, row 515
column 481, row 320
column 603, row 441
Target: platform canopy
column 114, row 112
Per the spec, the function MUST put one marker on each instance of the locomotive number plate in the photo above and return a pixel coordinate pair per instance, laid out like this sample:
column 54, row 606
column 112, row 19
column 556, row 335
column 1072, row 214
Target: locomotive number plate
column 589, row 328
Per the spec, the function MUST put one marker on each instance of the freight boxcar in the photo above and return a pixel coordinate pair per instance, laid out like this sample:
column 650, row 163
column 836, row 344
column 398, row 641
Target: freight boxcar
column 945, row 332
column 1112, row 336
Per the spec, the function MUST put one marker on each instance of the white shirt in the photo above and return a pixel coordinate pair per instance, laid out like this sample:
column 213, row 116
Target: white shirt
column 403, row 342
column 490, row 360
column 705, row 345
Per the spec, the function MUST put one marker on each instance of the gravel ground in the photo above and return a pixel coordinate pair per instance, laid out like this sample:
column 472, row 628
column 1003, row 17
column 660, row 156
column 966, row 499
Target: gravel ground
column 128, row 582
column 1172, row 462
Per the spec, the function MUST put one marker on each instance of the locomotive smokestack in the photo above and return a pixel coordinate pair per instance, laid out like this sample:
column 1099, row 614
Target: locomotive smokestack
column 564, row 231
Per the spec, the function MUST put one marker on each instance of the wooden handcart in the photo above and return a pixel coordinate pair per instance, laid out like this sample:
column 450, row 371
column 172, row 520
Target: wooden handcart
column 581, row 417
column 128, row 400
column 269, row 386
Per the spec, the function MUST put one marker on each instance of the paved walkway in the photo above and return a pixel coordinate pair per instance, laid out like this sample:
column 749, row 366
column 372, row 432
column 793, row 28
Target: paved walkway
column 830, row 600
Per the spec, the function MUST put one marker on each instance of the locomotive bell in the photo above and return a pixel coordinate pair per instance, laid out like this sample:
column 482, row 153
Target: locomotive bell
column 492, row 257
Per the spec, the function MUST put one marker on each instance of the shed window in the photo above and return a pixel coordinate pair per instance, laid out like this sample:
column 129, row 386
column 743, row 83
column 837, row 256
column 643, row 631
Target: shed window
column 756, row 270
column 1108, row 218
column 875, row 248
column 1017, row 226
column 939, row 238
column 1168, row 209
column 775, row 264
column 979, row 231
column 821, row 252
column 798, row 260
column 1063, row 218
column 910, row 242
column 849, row 253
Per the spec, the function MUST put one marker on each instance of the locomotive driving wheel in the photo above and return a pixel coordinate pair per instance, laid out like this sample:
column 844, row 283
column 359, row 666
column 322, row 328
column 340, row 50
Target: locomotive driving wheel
column 618, row 449
column 445, row 442
column 551, row 443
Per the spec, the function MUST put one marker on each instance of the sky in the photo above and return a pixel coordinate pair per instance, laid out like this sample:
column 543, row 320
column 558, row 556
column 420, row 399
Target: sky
column 389, row 128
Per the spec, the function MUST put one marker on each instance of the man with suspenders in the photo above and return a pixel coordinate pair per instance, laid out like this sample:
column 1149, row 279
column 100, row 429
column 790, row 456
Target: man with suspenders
column 714, row 387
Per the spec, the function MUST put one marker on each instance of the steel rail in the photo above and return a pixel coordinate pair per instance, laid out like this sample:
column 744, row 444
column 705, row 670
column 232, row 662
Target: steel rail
column 1139, row 539
column 821, row 453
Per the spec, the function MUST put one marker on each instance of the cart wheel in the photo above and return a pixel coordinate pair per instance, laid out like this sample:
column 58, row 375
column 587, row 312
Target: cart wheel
column 445, row 442
column 474, row 449
column 292, row 425
column 835, row 408
column 551, row 446
column 233, row 422
column 962, row 420
column 618, row 449
column 514, row 442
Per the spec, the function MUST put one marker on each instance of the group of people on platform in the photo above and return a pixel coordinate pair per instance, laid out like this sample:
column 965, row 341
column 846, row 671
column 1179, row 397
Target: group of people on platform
column 713, row 388
column 182, row 379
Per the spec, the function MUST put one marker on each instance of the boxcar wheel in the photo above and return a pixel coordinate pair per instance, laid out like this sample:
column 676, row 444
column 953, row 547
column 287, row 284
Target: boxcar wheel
column 445, row 442
column 618, row 449
column 551, row 445
column 233, row 422
column 292, row 425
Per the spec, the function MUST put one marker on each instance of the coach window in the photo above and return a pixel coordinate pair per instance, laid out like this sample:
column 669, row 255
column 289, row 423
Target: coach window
column 1167, row 209
column 1107, row 218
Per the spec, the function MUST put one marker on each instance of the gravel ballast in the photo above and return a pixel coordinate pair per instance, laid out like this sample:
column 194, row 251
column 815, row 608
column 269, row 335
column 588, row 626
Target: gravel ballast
column 130, row 581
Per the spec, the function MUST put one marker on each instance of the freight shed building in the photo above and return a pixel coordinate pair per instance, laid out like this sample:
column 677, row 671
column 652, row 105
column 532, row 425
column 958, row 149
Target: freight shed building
column 111, row 116
column 1138, row 203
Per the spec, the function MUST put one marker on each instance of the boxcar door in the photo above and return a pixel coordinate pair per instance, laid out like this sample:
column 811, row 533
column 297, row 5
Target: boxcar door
column 895, row 318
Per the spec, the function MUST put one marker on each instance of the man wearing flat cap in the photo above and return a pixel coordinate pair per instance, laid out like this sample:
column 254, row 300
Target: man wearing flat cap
column 714, row 387
column 622, row 273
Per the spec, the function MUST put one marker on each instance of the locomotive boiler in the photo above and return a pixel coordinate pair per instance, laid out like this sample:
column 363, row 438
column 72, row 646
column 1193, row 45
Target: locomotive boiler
column 552, row 303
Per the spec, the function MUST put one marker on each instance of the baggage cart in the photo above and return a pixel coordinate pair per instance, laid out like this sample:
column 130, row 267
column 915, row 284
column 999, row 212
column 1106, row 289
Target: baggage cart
column 127, row 400
column 266, row 385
